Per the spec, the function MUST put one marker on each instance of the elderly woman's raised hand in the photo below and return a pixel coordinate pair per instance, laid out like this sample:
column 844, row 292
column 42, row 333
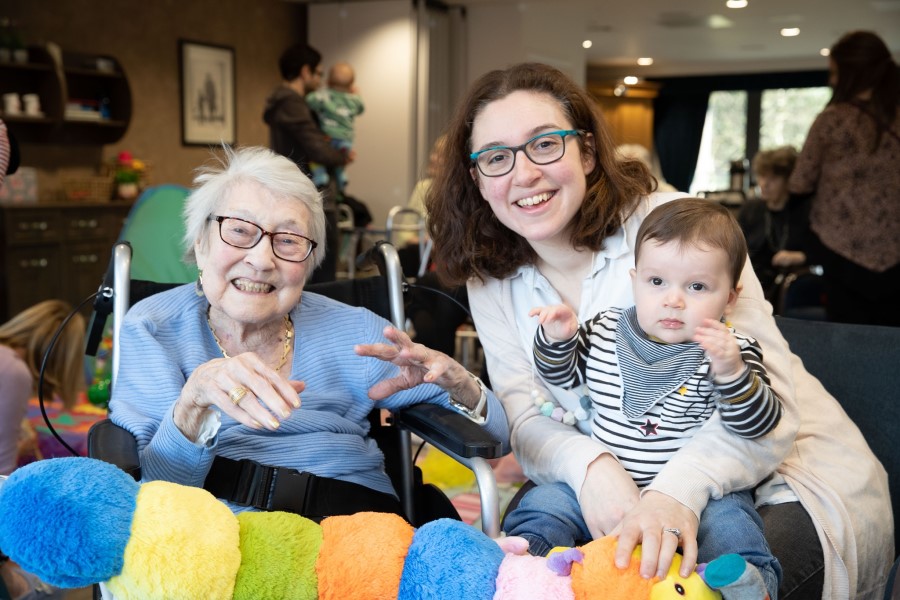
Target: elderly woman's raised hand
column 243, row 387
column 419, row 364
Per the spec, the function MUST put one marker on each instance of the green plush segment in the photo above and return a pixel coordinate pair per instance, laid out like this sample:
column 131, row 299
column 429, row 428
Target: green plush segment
column 278, row 557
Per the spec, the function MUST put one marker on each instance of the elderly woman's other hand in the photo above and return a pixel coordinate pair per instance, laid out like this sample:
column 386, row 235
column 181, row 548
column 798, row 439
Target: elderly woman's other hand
column 243, row 387
column 419, row 364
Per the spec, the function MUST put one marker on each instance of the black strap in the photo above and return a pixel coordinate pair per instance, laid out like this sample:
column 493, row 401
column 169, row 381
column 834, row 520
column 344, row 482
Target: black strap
column 248, row 483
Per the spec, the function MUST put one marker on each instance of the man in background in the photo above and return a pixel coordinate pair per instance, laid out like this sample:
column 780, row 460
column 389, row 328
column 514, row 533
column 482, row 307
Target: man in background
column 294, row 133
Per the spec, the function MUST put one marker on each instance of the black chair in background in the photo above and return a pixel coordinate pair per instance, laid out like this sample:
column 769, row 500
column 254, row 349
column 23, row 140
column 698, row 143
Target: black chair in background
column 860, row 366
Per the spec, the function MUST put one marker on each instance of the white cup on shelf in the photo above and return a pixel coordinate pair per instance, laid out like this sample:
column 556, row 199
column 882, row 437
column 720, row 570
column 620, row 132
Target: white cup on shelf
column 12, row 104
column 32, row 104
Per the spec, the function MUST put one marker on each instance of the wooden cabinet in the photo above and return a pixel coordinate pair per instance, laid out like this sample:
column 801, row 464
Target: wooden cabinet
column 62, row 81
column 55, row 251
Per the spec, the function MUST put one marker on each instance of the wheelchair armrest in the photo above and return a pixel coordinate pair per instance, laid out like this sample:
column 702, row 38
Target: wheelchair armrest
column 448, row 430
column 109, row 442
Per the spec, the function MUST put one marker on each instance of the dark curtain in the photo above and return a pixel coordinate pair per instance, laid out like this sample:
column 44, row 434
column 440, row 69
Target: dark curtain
column 678, row 128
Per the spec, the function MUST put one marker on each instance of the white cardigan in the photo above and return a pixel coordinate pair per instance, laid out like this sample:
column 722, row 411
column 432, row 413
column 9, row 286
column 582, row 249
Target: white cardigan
column 816, row 449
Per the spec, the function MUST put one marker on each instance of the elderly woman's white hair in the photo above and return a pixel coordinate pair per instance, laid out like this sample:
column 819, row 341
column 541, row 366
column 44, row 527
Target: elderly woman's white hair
column 274, row 172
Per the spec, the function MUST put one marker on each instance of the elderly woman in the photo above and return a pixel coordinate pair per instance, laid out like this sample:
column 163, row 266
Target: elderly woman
column 245, row 369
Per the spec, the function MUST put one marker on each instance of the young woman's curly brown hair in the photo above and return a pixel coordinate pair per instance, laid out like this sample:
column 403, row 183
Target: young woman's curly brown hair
column 469, row 241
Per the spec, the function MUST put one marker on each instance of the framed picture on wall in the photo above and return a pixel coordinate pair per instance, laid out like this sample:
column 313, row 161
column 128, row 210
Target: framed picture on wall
column 207, row 93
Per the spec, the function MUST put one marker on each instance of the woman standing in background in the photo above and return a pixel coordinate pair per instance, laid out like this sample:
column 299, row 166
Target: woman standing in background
column 850, row 163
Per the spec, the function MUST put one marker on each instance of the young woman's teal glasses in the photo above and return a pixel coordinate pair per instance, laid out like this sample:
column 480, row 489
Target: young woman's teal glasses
column 542, row 149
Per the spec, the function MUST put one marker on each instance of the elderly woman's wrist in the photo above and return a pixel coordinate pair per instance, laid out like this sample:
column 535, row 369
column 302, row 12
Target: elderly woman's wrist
column 188, row 417
column 475, row 402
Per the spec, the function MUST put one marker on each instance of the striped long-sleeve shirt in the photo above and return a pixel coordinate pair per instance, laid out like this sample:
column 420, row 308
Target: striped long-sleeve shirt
column 747, row 406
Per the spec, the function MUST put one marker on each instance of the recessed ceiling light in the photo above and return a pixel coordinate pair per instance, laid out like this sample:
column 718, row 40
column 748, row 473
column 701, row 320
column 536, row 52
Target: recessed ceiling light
column 587, row 44
column 736, row 3
column 630, row 80
column 825, row 52
column 790, row 31
column 645, row 62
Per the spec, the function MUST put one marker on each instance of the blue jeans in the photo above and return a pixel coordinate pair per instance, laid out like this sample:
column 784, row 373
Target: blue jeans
column 319, row 173
column 549, row 516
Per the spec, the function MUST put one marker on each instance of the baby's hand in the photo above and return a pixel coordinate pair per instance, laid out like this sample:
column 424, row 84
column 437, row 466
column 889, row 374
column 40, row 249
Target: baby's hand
column 722, row 349
column 559, row 321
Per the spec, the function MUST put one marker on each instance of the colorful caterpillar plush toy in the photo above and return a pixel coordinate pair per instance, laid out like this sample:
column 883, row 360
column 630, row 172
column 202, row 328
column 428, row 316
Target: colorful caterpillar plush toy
column 78, row 521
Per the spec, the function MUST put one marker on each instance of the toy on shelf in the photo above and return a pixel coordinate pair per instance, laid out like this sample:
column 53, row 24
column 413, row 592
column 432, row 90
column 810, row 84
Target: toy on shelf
column 78, row 521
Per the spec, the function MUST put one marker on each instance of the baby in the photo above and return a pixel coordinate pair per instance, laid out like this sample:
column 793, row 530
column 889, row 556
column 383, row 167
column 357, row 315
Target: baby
column 656, row 372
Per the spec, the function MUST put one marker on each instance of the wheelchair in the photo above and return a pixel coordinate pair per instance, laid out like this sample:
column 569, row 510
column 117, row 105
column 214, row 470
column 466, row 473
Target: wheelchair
column 446, row 430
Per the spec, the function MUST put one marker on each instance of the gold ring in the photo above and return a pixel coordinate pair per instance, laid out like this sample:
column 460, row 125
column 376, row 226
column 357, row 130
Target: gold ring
column 673, row 530
column 237, row 394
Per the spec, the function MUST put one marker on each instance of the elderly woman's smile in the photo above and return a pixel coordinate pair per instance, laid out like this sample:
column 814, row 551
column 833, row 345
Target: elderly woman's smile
column 245, row 285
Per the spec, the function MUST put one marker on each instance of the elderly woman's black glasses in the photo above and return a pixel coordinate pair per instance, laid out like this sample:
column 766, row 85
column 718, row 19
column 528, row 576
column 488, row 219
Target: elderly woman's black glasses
column 542, row 149
column 239, row 233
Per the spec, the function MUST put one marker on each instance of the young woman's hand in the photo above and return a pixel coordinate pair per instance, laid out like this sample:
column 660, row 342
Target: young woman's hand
column 654, row 523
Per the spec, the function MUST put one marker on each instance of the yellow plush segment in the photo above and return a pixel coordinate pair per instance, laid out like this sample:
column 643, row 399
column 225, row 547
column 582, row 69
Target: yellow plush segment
column 362, row 556
column 279, row 553
column 598, row 577
column 184, row 544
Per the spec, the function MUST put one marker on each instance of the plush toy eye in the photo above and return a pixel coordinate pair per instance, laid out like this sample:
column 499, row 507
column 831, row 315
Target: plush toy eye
column 679, row 589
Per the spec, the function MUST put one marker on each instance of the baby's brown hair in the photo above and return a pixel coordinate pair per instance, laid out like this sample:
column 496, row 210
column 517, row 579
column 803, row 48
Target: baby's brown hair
column 696, row 221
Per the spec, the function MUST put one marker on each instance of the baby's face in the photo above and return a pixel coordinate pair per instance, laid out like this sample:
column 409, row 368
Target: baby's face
column 677, row 286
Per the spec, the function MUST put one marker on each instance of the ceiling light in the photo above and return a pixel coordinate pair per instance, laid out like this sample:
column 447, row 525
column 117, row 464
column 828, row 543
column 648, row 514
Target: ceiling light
column 587, row 44
column 790, row 31
column 825, row 52
column 645, row 62
column 620, row 90
column 630, row 80
column 736, row 3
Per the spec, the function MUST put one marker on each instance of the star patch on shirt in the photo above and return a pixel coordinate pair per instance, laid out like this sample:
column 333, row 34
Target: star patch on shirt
column 649, row 428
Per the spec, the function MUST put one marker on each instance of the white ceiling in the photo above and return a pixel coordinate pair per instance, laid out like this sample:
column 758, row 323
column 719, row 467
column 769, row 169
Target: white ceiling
column 678, row 34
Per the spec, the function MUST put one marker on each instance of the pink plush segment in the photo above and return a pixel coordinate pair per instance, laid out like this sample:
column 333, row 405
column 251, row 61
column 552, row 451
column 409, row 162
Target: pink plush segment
column 528, row 578
column 362, row 556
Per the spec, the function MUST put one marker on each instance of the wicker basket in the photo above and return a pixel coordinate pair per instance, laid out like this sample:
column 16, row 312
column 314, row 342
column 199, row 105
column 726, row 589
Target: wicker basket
column 88, row 188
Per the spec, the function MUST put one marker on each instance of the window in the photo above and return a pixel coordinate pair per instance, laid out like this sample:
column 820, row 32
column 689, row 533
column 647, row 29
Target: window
column 724, row 139
column 784, row 117
column 787, row 115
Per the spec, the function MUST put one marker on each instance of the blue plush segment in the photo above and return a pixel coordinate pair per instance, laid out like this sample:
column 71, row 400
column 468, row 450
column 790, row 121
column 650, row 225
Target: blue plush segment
column 449, row 559
column 68, row 520
column 724, row 570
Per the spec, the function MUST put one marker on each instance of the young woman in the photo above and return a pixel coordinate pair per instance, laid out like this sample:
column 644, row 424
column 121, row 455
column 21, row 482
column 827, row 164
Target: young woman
column 534, row 209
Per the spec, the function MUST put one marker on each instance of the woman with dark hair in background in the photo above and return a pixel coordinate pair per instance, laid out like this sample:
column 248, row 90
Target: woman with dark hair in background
column 851, row 164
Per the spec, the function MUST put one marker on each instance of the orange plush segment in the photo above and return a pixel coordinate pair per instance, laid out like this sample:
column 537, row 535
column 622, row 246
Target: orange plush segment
column 598, row 577
column 362, row 556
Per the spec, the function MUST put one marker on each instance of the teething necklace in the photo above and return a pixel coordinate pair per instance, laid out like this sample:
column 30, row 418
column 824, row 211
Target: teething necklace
column 288, row 336
column 552, row 409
